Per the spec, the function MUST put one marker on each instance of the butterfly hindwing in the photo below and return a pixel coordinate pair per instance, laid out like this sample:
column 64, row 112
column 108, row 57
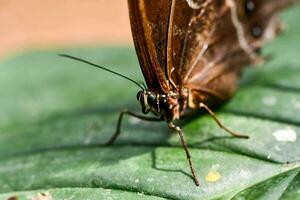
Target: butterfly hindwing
column 239, row 29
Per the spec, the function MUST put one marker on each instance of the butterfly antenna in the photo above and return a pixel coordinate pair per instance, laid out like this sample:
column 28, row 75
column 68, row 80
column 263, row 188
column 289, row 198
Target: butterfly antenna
column 98, row 66
column 145, row 86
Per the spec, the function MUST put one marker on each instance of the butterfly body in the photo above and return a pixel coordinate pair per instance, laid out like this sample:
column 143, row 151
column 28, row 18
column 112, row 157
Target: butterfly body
column 173, row 105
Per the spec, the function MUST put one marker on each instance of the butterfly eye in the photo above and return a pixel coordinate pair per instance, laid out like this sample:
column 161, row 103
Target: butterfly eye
column 151, row 99
column 138, row 95
column 256, row 31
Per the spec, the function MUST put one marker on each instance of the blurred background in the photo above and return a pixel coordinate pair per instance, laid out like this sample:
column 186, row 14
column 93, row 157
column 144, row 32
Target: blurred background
column 39, row 24
column 36, row 83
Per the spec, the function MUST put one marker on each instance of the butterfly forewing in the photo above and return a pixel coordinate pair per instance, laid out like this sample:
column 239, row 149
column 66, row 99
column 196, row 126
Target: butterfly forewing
column 149, row 22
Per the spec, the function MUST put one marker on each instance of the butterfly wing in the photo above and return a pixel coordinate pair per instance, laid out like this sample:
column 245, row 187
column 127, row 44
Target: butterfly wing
column 200, row 44
column 149, row 23
column 190, row 17
column 222, row 37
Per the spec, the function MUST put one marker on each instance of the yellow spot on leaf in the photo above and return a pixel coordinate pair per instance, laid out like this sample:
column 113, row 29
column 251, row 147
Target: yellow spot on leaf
column 213, row 176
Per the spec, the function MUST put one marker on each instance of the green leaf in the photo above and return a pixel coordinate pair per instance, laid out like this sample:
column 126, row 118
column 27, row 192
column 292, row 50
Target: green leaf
column 56, row 114
column 80, row 193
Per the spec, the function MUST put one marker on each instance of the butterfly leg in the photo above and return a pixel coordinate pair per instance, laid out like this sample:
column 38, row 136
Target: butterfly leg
column 213, row 115
column 119, row 124
column 188, row 155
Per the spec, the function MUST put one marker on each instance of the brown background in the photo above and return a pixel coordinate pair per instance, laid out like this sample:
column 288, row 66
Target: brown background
column 56, row 23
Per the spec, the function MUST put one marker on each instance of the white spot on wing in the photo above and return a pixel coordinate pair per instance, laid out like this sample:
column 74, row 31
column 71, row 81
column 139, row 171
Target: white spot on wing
column 193, row 4
column 285, row 135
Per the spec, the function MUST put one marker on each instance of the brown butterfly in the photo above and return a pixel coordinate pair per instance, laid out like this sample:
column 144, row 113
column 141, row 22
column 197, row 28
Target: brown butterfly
column 192, row 53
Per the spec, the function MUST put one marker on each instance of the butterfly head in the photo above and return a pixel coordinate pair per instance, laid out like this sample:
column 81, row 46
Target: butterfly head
column 148, row 100
column 165, row 106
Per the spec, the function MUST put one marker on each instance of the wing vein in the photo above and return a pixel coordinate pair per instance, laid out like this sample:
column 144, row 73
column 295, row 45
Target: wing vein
column 169, row 49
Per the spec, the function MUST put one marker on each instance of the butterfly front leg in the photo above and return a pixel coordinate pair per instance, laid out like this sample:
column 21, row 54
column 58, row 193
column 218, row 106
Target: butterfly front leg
column 119, row 124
